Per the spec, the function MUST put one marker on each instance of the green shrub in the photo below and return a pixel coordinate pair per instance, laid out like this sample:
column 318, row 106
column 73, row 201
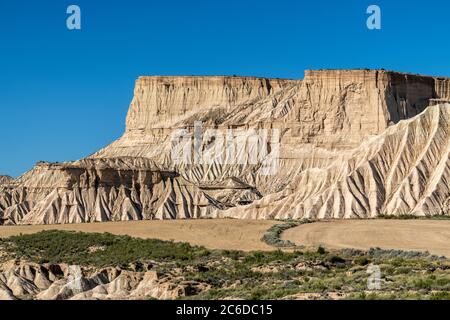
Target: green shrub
column 272, row 236
column 361, row 261
column 321, row 250
column 336, row 259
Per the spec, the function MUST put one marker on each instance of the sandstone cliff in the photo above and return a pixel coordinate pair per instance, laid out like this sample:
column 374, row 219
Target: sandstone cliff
column 340, row 143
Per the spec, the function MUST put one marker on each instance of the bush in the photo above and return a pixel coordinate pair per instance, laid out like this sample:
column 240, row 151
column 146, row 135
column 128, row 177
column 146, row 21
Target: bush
column 272, row 236
column 336, row 259
column 321, row 250
column 263, row 257
column 362, row 261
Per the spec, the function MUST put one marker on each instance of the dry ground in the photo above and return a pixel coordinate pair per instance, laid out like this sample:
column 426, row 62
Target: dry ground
column 420, row 235
column 212, row 233
column 415, row 235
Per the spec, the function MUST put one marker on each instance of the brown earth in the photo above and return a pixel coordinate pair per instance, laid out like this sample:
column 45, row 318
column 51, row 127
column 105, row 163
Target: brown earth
column 414, row 235
column 226, row 234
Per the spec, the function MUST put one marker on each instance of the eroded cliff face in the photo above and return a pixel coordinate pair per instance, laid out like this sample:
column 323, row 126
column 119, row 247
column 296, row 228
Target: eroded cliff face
column 442, row 88
column 5, row 179
column 330, row 141
column 167, row 102
column 405, row 170
column 93, row 190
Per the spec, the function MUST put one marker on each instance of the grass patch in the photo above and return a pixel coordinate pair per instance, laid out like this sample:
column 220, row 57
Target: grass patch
column 73, row 248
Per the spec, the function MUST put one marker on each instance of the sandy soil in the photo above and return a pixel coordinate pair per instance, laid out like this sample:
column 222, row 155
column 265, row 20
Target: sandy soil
column 215, row 234
column 416, row 235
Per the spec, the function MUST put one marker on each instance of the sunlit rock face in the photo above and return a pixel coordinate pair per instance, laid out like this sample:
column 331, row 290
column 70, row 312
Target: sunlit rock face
column 5, row 179
column 338, row 144
column 404, row 170
column 21, row 280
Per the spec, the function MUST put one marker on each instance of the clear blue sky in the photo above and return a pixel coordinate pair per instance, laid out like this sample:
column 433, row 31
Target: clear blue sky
column 64, row 94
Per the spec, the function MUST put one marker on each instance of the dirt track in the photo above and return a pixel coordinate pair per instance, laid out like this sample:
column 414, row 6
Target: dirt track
column 215, row 234
column 416, row 235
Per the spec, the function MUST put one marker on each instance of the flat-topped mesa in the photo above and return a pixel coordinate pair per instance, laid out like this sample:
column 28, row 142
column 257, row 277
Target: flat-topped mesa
column 343, row 152
column 328, row 108
column 162, row 101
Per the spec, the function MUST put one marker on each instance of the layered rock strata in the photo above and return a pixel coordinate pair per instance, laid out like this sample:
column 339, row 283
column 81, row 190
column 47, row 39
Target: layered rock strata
column 338, row 144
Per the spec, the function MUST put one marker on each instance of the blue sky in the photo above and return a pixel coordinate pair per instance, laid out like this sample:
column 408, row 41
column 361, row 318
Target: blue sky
column 64, row 94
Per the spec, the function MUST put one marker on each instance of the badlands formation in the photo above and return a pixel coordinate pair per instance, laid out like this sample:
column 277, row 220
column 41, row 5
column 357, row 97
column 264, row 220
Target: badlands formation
column 338, row 144
column 72, row 282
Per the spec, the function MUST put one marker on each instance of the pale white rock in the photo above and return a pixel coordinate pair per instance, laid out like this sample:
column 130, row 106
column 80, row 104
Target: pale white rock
column 352, row 143
column 19, row 280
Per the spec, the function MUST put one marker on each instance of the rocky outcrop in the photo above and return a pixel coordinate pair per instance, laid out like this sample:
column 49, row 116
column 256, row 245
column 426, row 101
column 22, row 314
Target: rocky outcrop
column 113, row 189
column 339, row 143
column 25, row 280
column 405, row 170
column 5, row 179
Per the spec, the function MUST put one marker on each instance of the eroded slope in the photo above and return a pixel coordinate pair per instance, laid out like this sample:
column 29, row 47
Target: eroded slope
column 333, row 145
